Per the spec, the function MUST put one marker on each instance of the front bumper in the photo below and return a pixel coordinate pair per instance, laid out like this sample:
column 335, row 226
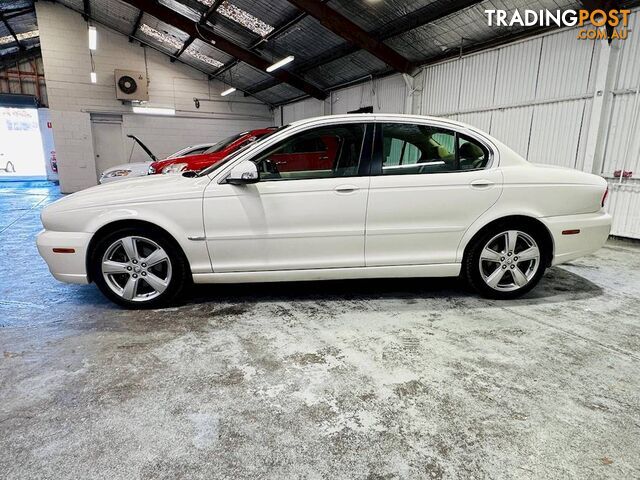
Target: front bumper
column 594, row 231
column 66, row 267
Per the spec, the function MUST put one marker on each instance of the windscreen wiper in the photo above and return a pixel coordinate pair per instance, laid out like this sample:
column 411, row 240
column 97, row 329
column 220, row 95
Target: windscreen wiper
column 143, row 146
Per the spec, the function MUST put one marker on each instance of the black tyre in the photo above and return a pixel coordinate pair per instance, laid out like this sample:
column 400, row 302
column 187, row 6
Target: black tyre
column 139, row 267
column 506, row 261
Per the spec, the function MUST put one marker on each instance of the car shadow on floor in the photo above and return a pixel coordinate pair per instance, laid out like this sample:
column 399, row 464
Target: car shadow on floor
column 557, row 285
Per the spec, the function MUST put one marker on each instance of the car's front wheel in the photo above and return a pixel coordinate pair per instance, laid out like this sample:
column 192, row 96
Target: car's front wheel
column 138, row 268
column 506, row 261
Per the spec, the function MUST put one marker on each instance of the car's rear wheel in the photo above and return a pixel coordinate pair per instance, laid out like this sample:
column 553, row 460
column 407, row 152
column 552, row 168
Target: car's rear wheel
column 138, row 268
column 506, row 261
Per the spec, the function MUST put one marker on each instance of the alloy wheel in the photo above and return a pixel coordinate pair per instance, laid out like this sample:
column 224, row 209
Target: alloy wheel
column 509, row 261
column 136, row 268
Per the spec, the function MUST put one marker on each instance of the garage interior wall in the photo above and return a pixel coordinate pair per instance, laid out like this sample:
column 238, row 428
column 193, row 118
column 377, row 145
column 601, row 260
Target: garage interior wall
column 535, row 95
column 73, row 99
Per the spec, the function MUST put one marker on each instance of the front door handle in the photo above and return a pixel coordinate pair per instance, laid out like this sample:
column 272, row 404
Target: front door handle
column 480, row 184
column 346, row 188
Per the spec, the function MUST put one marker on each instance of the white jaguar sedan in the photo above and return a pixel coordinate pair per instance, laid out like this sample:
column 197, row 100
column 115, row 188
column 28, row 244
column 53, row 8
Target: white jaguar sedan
column 335, row 197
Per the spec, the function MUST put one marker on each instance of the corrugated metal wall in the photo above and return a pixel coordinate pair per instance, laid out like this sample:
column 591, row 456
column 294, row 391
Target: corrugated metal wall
column 386, row 94
column 535, row 95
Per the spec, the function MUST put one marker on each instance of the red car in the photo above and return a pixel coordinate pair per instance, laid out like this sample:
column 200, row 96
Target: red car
column 214, row 154
column 313, row 153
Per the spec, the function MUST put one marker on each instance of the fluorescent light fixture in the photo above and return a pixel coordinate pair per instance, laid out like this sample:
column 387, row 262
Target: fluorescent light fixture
column 280, row 63
column 154, row 110
column 227, row 92
column 94, row 77
column 93, row 38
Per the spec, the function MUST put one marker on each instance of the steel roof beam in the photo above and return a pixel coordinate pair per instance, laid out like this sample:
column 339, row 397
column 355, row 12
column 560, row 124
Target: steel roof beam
column 86, row 9
column 16, row 12
column 345, row 28
column 11, row 31
column 204, row 18
column 136, row 26
column 188, row 26
column 404, row 24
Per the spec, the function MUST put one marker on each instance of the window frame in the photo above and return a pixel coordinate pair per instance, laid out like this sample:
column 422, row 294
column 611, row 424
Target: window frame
column 366, row 150
column 378, row 148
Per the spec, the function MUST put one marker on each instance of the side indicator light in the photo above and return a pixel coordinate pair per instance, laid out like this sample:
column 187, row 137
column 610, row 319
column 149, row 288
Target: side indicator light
column 604, row 197
column 571, row 232
column 64, row 250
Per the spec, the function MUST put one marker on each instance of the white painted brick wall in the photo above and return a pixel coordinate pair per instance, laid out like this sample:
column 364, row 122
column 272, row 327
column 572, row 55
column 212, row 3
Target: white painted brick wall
column 72, row 97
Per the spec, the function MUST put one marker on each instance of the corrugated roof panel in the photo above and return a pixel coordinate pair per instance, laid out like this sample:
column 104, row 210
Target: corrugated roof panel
column 234, row 32
column 346, row 69
column 306, row 40
column 172, row 38
column 11, row 48
column 243, row 76
column 279, row 93
column 182, row 9
column 76, row 4
column 118, row 15
column 373, row 15
column 273, row 12
column 469, row 24
column 210, row 51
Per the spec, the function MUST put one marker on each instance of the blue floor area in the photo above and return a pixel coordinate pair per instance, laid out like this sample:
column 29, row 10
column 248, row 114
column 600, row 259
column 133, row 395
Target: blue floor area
column 20, row 199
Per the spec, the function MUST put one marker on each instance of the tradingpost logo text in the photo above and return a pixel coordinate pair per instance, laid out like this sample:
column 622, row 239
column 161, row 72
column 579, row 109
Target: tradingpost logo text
column 616, row 22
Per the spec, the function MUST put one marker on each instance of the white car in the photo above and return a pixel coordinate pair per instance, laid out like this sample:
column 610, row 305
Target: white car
column 404, row 196
column 141, row 169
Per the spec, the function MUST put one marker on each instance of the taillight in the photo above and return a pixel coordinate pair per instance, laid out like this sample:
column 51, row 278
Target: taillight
column 604, row 197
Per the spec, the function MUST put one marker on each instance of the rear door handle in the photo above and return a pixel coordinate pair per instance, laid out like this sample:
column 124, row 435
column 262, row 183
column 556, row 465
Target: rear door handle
column 346, row 188
column 482, row 184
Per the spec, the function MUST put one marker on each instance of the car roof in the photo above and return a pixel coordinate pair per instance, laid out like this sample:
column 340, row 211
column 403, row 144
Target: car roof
column 371, row 117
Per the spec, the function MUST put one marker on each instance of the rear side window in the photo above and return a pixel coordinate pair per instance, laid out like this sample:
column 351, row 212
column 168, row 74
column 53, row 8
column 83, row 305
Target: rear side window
column 420, row 149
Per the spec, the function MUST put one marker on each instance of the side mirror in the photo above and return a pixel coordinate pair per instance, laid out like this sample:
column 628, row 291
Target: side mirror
column 243, row 173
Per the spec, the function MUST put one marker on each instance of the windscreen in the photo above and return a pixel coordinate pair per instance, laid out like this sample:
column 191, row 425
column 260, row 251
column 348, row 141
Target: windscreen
column 222, row 144
column 233, row 155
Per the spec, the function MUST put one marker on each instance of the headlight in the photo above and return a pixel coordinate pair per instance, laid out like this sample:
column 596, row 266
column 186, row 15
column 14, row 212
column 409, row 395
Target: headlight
column 151, row 171
column 174, row 168
column 116, row 173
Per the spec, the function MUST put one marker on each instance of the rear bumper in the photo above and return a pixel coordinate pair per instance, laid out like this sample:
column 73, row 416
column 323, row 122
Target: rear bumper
column 594, row 231
column 65, row 267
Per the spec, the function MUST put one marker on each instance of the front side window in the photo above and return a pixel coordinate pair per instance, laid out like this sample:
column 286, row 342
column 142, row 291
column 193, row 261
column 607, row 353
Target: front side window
column 416, row 149
column 324, row 152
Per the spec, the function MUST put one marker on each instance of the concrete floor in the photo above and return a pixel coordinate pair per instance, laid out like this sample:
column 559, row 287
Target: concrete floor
column 358, row 379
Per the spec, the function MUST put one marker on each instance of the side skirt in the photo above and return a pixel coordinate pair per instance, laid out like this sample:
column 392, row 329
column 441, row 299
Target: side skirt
column 440, row 270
